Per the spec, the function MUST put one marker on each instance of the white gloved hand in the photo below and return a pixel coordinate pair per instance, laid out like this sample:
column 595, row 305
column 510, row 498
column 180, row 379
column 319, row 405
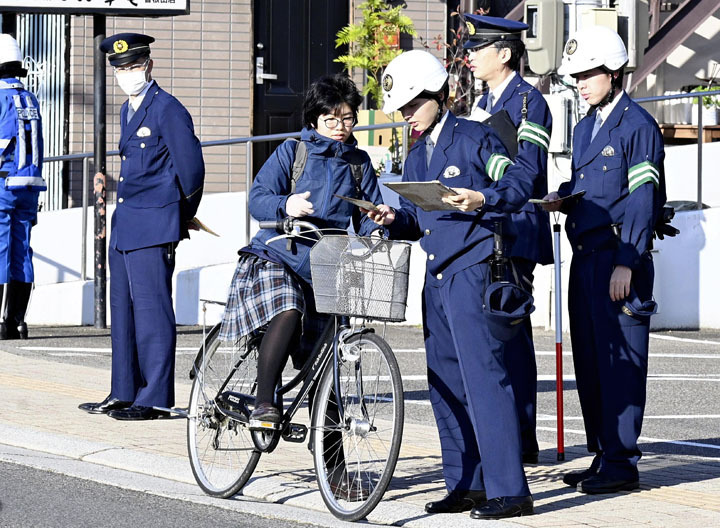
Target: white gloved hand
column 297, row 205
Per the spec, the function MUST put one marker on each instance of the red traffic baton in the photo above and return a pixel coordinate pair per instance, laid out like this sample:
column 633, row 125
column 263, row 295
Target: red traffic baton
column 558, row 346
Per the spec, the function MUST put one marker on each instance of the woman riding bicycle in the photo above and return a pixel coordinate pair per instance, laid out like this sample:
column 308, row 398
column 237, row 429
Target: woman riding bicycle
column 272, row 284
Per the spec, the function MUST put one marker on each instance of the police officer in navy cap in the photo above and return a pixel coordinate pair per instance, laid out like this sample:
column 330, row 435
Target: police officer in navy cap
column 496, row 49
column 159, row 189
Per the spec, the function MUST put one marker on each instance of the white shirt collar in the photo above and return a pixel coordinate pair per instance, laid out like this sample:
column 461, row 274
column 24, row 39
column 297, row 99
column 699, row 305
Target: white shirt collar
column 138, row 99
column 500, row 88
column 435, row 134
column 606, row 110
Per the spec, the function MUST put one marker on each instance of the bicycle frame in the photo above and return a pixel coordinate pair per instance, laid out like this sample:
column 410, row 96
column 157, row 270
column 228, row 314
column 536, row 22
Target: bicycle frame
column 337, row 329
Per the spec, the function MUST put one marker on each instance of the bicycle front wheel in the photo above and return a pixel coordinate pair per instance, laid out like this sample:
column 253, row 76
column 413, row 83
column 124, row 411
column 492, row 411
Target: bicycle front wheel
column 355, row 455
column 220, row 447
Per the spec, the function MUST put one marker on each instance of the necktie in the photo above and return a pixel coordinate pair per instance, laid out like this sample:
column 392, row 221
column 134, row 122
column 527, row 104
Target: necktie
column 428, row 151
column 489, row 102
column 130, row 112
column 596, row 127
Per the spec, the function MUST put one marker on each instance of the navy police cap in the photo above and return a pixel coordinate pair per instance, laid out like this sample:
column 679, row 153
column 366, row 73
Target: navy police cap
column 506, row 306
column 483, row 30
column 125, row 48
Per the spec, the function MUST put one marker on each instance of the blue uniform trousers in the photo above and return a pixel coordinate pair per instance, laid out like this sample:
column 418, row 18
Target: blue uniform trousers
column 18, row 213
column 610, row 354
column 520, row 361
column 470, row 390
column 142, row 326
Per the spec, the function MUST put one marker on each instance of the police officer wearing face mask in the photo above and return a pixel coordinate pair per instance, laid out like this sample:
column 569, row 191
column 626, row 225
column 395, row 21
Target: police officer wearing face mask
column 21, row 156
column 159, row 189
column 618, row 157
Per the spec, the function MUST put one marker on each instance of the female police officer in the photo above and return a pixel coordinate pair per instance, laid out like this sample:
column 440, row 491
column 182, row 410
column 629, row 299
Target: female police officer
column 618, row 161
column 470, row 390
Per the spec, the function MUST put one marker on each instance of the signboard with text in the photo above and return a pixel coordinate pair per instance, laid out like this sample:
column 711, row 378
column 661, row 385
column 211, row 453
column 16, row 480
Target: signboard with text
column 104, row 7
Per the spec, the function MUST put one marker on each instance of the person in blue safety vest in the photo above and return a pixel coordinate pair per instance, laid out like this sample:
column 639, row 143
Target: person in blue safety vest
column 161, row 181
column 21, row 158
column 617, row 160
column 496, row 50
column 469, row 386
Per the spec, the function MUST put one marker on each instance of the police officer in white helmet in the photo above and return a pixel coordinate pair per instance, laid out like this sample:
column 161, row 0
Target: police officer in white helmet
column 617, row 161
column 469, row 386
column 21, row 157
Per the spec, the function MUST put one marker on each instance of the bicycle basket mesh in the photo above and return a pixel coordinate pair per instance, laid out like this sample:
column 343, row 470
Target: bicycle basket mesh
column 361, row 277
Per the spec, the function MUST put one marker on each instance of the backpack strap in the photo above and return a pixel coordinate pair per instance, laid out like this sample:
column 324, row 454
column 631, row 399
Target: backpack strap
column 298, row 166
column 357, row 173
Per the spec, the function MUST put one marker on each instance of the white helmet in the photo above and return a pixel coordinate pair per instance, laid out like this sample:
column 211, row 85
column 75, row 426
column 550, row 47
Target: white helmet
column 408, row 75
column 9, row 49
column 591, row 48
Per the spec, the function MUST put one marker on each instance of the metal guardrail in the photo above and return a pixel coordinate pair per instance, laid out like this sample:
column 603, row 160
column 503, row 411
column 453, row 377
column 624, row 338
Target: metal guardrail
column 249, row 140
column 692, row 95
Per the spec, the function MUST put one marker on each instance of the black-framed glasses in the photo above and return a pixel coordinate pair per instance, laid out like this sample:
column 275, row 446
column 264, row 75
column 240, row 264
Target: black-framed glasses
column 333, row 122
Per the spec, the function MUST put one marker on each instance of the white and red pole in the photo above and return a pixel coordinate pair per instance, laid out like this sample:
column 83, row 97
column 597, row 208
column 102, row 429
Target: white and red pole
column 558, row 345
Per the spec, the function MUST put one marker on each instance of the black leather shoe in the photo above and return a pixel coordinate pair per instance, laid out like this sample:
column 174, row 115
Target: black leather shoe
column 598, row 484
column 22, row 330
column 457, row 501
column 576, row 477
column 138, row 412
column 503, row 508
column 8, row 331
column 530, row 458
column 103, row 407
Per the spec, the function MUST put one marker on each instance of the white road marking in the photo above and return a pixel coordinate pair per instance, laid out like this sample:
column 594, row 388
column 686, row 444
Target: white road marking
column 643, row 439
column 685, row 339
column 92, row 351
column 552, row 418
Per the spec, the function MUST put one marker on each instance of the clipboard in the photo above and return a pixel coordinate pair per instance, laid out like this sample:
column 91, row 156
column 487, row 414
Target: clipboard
column 427, row 195
column 568, row 197
column 360, row 203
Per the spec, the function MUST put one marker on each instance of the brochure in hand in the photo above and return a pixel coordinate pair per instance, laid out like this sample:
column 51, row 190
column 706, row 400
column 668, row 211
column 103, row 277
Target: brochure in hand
column 360, row 203
column 426, row 195
column 568, row 197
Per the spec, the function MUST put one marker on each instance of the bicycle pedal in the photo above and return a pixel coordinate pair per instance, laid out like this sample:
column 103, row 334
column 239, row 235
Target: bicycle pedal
column 295, row 433
column 263, row 425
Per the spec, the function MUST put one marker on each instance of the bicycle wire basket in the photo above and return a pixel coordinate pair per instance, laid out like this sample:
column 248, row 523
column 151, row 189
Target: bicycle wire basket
column 360, row 277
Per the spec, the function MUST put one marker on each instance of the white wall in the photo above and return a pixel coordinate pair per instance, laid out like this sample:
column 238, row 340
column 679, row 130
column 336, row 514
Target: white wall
column 686, row 282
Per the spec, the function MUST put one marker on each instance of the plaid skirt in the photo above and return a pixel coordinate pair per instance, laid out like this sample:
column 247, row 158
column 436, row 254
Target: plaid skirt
column 259, row 291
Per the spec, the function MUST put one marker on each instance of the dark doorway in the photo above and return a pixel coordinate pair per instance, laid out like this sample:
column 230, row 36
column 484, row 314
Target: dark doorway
column 294, row 44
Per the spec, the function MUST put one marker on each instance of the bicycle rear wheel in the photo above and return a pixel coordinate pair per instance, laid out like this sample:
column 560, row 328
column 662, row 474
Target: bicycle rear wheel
column 220, row 447
column 355, row 457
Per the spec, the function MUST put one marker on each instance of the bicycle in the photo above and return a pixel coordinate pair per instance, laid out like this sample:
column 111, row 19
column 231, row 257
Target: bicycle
column 357, row 411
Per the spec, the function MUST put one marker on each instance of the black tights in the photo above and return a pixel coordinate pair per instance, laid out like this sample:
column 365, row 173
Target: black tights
column 282, row 332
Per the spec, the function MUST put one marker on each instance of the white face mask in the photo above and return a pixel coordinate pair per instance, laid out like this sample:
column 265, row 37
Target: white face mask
column 132, row 83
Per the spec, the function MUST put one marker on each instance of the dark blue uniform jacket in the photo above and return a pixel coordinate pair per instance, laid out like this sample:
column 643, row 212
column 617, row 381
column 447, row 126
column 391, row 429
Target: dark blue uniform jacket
column 453, row 240
column 534, row 241
column 623, row 176
column 161, row 174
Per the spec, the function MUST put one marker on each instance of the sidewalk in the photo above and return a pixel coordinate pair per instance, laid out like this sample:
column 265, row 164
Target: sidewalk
column 39, row 412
